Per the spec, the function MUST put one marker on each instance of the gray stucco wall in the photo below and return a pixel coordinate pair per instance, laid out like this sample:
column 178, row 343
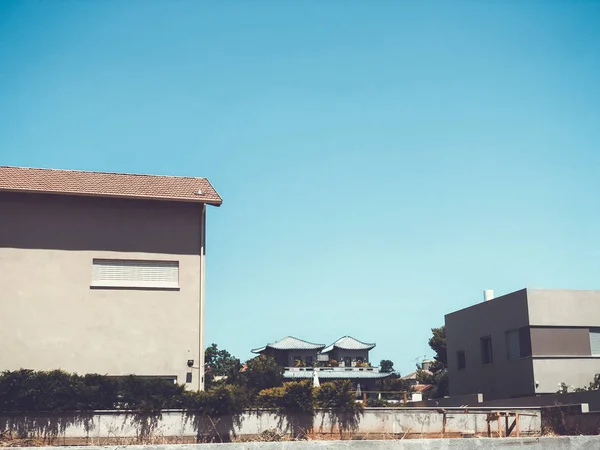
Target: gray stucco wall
column 561, row 307
column 51, row 318
column 578, row 310
column 575, row 372
column 464, row 328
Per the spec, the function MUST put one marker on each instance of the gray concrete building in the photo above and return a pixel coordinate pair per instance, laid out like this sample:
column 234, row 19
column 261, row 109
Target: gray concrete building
column 103, row 272
column 524, row 343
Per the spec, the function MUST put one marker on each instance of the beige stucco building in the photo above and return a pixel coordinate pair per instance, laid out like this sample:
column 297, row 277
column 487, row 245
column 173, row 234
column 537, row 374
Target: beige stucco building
column 103, row 272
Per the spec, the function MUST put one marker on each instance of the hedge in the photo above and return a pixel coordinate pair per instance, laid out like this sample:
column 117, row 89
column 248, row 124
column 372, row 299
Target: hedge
column 55, row 391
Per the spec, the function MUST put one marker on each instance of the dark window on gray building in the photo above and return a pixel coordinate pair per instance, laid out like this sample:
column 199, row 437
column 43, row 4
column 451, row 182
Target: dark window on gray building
column 513, row 346
column 518, row 343
column 486, row 350
column 461, row 362
column 525, row 341
column 595, row 341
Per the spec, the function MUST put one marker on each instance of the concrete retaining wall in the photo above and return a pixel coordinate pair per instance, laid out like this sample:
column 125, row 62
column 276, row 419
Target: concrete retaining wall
column 174, row 424
column 555, row 443
column 592, row 398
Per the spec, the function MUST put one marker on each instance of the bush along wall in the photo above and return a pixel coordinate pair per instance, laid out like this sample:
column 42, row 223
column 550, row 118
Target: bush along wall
column 42, row 404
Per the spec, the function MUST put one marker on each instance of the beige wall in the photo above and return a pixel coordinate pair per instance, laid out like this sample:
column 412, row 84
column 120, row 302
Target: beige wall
column 51, row 318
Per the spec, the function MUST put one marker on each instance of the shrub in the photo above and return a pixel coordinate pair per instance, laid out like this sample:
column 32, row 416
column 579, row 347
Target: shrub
column 30, row 391
column 149, row 394
column 337, row 394
column 295, row 396
column 27, row 390
column 220, row 401
column 377, row 403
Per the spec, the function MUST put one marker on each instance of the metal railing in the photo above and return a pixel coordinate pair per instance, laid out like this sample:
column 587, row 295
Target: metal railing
column 332, row 369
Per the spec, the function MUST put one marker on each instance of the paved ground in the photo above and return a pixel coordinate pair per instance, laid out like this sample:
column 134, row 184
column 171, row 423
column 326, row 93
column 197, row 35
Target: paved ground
column 547, row 443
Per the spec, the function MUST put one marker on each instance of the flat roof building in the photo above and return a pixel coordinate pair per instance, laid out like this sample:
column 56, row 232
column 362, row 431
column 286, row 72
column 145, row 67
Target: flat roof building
column 524, row 343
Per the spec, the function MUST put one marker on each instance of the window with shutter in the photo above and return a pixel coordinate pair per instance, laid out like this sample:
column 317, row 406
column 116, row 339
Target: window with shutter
column 595, row 341
column 135, row 274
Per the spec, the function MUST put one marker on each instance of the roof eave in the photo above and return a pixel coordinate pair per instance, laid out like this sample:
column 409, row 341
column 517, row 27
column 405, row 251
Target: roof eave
column 216, row 203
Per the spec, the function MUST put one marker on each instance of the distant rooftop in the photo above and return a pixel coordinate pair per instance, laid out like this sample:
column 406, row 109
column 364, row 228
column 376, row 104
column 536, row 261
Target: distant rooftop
column 334, row 374
column 290, row 343
column 108, row 184
column 348, row 343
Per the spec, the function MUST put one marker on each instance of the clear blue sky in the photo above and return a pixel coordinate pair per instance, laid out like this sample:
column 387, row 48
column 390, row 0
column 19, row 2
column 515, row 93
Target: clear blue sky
column 381, row 162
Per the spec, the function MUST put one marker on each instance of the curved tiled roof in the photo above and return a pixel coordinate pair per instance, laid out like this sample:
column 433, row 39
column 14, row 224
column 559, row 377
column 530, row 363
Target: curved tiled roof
column 108, row 184
column 348, row 343
column 290, row 343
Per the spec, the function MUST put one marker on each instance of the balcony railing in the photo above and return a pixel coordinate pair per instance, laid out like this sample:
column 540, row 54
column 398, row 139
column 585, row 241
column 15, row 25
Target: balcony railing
column 333, row 369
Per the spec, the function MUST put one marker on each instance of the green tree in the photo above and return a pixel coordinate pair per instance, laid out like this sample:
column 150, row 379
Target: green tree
column 386, row 365
column 261, row 373
column 219, row 363
column 437, row 342
column 394, row 383
column 437, row 375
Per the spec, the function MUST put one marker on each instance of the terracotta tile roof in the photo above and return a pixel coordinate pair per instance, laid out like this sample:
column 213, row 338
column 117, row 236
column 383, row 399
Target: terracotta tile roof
column 106, row 184
column 422, row 387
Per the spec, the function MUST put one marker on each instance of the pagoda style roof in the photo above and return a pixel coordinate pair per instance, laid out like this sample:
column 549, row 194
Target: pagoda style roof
column 348, row 343
column 290, row 343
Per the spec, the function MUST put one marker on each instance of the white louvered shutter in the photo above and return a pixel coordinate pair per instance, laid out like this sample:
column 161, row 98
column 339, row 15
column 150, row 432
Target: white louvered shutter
column 135, row 273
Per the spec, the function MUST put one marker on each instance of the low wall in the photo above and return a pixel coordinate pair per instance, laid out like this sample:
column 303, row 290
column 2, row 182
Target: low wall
column 175, row 424
column 592, row 398
column 554, row 443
